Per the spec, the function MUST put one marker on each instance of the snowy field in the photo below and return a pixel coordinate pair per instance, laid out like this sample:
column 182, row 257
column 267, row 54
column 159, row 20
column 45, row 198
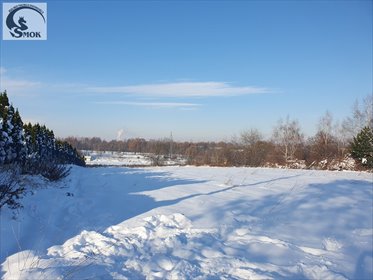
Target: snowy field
column 94, row 158
column 192, row 223
column 116, row 159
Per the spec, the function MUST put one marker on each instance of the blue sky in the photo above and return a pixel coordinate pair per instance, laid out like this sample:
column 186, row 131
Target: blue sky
column 204, row 70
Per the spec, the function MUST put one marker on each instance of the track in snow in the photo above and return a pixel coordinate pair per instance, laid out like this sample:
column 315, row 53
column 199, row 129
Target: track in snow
column 194, row 223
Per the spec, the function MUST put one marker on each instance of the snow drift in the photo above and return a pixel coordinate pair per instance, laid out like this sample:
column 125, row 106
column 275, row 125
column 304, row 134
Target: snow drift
column 193, row 223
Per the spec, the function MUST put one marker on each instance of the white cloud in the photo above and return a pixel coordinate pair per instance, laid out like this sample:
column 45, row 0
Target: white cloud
column 183, row 89
column 152, row 104
column 15, row 85
column 11, row 84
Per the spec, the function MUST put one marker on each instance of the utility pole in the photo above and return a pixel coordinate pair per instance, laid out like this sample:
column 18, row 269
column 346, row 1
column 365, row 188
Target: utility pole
column 171, row 144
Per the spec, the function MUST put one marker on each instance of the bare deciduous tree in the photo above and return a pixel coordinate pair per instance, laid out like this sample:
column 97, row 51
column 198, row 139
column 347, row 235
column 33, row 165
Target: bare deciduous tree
column 342, row 139
column 325, row 128
column 324, row 144
column 288, row 137
column 362, row 116
column 255, row 149
column 10, row 189
column 251, row 137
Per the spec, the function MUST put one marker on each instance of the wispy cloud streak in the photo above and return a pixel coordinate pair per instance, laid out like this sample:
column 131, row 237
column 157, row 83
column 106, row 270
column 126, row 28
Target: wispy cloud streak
column 12, row 84
column 152, row 104
column 183, row 89
column 15, row 85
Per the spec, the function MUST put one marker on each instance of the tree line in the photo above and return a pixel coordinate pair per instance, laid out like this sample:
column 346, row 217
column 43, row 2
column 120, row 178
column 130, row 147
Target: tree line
column 30, row 144
column 333, row 144
column 29, row 149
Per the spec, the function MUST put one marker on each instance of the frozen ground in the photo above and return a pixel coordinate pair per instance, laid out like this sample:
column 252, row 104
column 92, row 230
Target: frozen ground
column 193, row 223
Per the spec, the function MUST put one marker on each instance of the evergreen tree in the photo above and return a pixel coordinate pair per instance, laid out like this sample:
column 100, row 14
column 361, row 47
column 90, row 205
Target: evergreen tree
column 8, row 127
column 43, row 147
column 4, row 102
column 29, row 140
column 18, row 138
column 362, row 146
column 31, row 149
column 29, row 144
column 3, row 141
column 4, row 137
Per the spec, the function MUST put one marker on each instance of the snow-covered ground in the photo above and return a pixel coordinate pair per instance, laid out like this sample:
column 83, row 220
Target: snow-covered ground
column 127, row 159
column 193, row 223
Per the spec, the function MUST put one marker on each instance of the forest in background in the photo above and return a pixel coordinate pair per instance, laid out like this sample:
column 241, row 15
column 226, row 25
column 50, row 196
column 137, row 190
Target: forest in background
column 33, row 149
column 332, row 146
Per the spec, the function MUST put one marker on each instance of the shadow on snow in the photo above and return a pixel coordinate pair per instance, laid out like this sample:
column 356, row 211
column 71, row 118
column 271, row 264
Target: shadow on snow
column 303, row 216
